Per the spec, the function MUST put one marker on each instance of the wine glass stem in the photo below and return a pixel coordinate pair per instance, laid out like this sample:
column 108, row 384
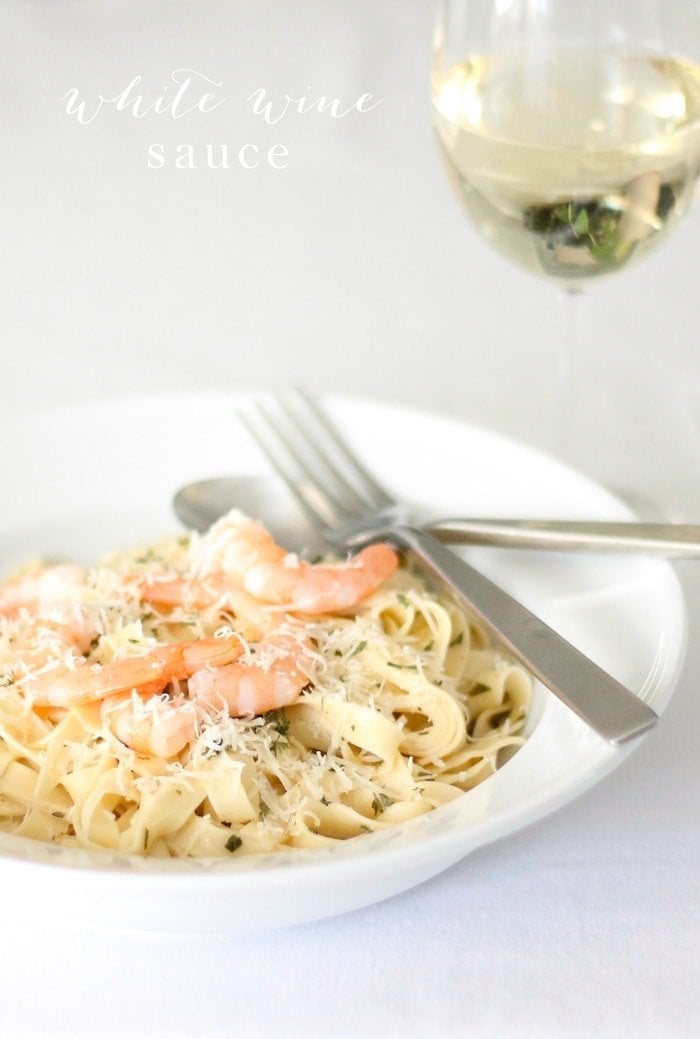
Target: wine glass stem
column 569, row 347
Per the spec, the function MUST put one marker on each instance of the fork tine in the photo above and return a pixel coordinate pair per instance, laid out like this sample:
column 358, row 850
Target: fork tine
column 311, row 460
column 315, row 501
column 310, row 449
column 372, row 493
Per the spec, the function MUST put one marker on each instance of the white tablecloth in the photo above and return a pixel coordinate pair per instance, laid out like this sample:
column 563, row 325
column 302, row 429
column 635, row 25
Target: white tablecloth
column 351, row 270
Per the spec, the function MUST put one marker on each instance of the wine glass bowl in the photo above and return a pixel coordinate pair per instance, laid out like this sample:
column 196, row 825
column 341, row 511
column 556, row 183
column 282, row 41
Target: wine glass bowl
column 573, row 142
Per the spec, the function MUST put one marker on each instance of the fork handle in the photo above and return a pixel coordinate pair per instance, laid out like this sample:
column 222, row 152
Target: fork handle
column 608, row 707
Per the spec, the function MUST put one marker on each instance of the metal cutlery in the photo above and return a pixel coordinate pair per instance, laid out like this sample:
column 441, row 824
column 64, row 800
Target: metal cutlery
column 200, row 504
column 350, row 509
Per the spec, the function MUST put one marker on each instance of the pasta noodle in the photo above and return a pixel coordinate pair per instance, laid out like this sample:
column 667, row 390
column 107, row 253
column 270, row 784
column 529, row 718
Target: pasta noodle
column 402, row 706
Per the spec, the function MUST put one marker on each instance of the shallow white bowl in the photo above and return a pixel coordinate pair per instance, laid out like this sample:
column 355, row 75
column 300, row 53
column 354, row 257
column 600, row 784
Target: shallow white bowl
column 86, row 480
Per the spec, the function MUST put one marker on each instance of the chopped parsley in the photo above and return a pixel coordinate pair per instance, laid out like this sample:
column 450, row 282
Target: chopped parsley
column 380, row 802
column 457, row 640
column 233, row 843
column 149, row 556
column 359, row 647
column 278, row 721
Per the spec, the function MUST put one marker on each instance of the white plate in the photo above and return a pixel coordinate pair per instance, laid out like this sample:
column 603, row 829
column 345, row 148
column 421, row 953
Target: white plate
column 81, row 481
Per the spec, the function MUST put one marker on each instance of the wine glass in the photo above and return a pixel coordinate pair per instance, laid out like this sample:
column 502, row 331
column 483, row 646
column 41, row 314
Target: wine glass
column 571, row 133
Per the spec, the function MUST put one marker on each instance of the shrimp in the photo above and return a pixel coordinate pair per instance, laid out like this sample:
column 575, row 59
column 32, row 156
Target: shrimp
column 199, row 594
column 302, row 587
column 148, row 674
column 267, row 572
column 274, row 678
column 150, row 726
column 156, row 726
column 254, row 565
column 39, row 589
column 66, row 633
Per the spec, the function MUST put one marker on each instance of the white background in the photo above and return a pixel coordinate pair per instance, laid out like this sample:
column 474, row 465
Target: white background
column 350, row 271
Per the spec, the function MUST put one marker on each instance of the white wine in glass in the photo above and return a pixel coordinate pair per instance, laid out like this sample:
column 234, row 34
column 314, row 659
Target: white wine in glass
column 572, row 161
column 571, row 132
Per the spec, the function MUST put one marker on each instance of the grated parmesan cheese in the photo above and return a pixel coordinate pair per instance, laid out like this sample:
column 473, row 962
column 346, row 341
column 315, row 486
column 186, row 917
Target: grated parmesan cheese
column 406, row 705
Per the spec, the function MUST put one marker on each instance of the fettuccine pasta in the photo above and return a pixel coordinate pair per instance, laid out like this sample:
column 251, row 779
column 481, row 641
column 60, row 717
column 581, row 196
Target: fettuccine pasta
column 213, row 695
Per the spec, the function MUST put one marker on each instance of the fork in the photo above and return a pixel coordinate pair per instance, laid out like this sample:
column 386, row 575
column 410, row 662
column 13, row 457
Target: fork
column 351, row 509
